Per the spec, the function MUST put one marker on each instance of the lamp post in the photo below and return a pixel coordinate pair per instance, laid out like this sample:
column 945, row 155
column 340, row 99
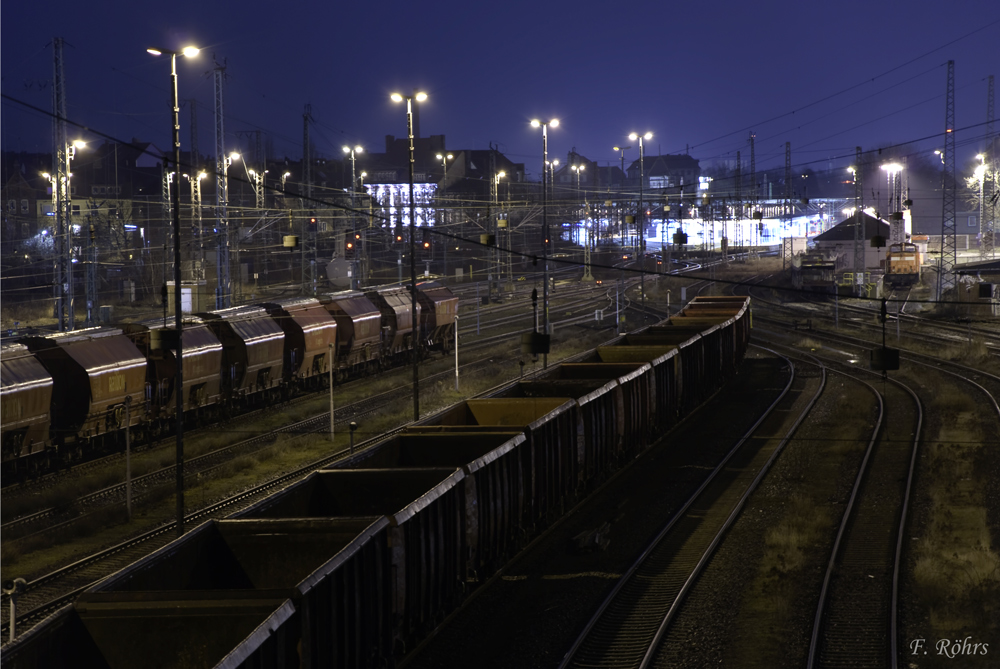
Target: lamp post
column 639, row 223
column 444, row 158
column 985, row 230
column 895, row 202
column 494, row 252
column 535, row 123
column 354, row 182
column 576, row 170
column 419, row 97
column 622, row 149
column 188, row 52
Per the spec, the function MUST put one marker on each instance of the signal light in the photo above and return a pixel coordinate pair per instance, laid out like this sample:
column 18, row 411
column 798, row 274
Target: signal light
column 426, row 238
column 357, row 234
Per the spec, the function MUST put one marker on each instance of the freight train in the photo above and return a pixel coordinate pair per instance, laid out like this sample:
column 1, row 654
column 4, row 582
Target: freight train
column 355, row 564
column 70, row 395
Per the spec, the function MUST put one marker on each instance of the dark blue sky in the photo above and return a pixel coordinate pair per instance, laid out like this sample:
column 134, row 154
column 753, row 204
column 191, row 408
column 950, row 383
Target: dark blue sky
column 824, row 76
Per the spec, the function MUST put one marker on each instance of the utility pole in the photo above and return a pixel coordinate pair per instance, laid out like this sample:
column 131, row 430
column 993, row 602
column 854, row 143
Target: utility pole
column 989, row 240
column 309, row 225
column 738, row 213
column 63, row 267
column 753, row 186
column 91, row 284
column 223, row 291
column 859, row 218
column 787, row 208
column 946, row 268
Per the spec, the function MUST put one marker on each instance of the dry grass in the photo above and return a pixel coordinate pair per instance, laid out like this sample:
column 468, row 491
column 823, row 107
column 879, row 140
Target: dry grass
column 956, row 573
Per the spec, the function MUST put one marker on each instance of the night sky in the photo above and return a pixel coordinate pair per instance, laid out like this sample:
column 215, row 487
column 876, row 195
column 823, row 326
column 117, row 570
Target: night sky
column 824, row 76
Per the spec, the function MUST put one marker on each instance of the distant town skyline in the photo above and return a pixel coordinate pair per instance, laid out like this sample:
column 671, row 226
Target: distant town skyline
column 701, row 81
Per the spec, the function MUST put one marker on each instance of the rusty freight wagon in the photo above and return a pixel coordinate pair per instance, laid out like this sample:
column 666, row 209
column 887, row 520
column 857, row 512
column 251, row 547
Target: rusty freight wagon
column 426, row 512
column 253, row 350
column 439, row 307
column 202, row 359
column 233, row 593
column 495, row 484
column 25, row 401
column 309, row 333
column 396, row 306
column 93, row 372
column 549, row 458
column 359, row 331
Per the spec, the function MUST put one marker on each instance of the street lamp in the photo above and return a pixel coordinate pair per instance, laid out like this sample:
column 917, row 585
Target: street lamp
column 354, row 180
column 552, row 165
column 622, row 149
column 535, row 123
column 639, row 222
column 493, row 250
column 444, row 158
column 985, row 230
column 419, row 97
column 577, row 169
column 188, row 52
column 895, row 202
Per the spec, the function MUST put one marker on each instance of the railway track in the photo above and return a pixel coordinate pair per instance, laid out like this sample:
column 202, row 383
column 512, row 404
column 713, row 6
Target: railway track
column 857, row 614
column 627, row 627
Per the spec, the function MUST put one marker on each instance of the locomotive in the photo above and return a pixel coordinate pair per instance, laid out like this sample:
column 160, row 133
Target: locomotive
column 902, row 265
column 69, row 395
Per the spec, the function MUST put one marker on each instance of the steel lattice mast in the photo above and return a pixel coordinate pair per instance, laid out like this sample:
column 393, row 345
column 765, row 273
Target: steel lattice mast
column 223, row 290
column 309, row 225
column 988, row 240
column 63, row 267
column 946, row 275
column 787, row 209
column 859, row 220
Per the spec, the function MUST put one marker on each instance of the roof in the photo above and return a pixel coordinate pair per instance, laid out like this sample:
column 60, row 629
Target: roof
column 665, row 164
column 844, row 231
column 986, row 267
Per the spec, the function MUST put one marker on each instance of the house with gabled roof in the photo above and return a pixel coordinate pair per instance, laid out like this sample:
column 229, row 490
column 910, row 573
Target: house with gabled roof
column 839, row 241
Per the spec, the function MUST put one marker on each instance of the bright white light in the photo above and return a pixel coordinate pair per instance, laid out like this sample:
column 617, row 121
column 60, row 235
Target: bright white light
column 190, row 51
column 535, row 123
column 420, row 97
column 396, row 97
column 892, row 168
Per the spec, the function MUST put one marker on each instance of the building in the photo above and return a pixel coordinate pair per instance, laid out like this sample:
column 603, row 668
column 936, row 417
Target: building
column 838, row 241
